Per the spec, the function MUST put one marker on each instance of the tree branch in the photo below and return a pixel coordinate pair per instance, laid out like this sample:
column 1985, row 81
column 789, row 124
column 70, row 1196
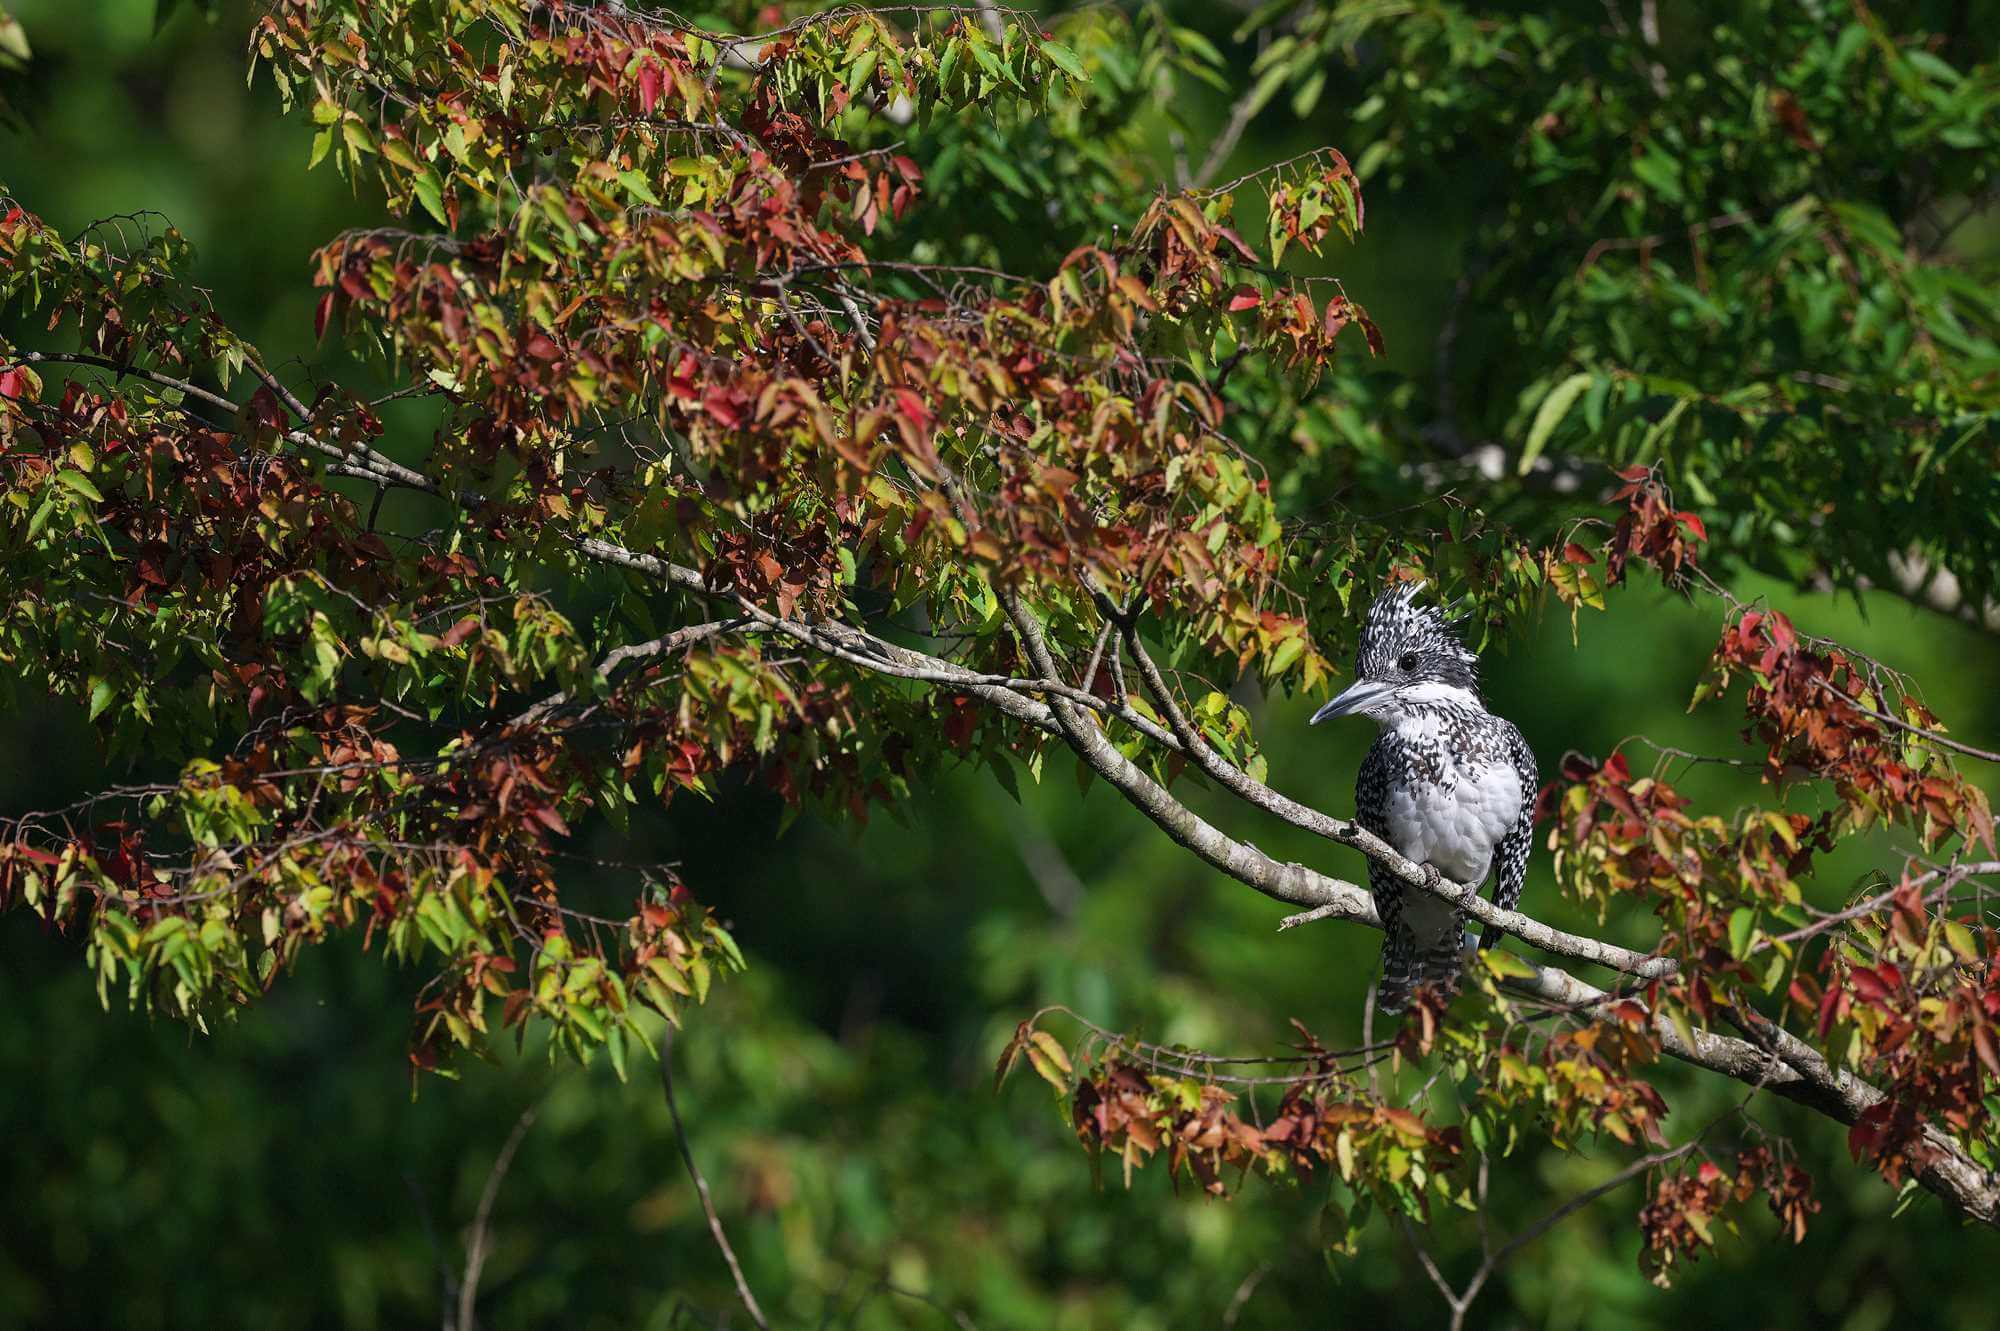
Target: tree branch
column 361, row 463
column 1793, row 1069
column 1240, row 115
column 701, row 1187
column 1347, row 833
column 476, row 1247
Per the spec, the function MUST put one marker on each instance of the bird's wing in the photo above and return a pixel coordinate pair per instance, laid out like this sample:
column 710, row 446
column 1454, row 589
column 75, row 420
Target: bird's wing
column 1511, row 855
column 1406, row 962
column 1371, row 810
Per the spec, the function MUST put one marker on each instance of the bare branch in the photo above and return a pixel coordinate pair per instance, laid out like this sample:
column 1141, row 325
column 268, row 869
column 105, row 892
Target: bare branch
column 476, row 1243
column 1951, row 876
column 665, row 645
column 1240, row 115
column 701, row 1187
column 1575, row 1204
column 1243, row 1293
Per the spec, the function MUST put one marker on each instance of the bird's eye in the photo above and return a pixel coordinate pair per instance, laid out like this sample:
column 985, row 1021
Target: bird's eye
column 1406, row 662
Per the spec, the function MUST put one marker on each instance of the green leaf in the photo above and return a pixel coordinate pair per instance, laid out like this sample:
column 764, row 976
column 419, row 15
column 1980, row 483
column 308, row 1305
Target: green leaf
column 41, row 518
column 1677, row 1017
column 614, row 1040
column 1288, row 653
column 1549, row 415
column 429, row 191
column 1742, row 922
column 1065, row 60
column 639, row 187
column 1307, row 95
column 1039, row 1060
column 80, row 483
column 14, row 41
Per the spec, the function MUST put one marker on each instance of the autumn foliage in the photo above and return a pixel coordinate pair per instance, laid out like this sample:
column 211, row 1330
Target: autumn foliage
column 697, row 453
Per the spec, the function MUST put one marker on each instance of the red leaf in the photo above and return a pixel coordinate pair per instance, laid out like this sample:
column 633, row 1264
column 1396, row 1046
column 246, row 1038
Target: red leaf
column 721, row 403
column 1576, row 554
column 13, row 383
column 1867, row 984
column 322, row 315
column 1370, row 331
column 1245, row 298
column 1230, row 235
column 1576, row 767
column 1982, row 1041
column 649, row 87
column 264, row 409
column 1693, row 524
column 1861, row 1139
column 1338, row 314
column 1793, row 117
column 913, row 407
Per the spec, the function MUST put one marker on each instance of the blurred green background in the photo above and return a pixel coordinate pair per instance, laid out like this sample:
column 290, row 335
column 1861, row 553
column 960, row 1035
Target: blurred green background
column 277, row 1171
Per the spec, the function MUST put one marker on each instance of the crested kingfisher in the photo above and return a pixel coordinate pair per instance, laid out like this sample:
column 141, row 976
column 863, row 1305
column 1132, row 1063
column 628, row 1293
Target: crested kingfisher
column 1447, row 783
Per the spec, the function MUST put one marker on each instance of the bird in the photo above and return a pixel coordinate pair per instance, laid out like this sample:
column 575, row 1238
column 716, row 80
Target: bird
column 1447, row 783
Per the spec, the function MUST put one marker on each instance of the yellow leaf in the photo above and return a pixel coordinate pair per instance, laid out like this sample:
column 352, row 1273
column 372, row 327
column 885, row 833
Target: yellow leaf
column 1053, row 1050
column 1045, row 1069
column 1505, row 965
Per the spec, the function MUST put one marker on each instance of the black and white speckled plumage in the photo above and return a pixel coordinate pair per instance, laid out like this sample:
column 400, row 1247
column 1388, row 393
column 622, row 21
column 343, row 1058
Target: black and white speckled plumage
column 1447, row 783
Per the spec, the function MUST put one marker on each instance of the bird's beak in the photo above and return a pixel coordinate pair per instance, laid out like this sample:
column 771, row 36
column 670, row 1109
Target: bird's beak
column 1358, row 697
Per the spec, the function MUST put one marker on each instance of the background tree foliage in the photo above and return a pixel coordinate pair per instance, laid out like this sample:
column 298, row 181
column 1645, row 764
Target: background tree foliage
column 1753, row 258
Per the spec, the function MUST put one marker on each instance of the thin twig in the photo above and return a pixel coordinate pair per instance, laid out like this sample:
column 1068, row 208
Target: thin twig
column 1581, row 1200
column 1928, row 736
column 1243, row 1293
column 701, row 1188
column 476, row 1245
column 1240, row 116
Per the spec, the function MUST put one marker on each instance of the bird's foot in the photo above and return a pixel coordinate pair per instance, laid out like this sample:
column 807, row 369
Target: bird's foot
column 1433, row 880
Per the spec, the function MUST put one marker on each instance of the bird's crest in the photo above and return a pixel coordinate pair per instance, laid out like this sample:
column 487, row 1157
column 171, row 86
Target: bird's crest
column 1398, row 625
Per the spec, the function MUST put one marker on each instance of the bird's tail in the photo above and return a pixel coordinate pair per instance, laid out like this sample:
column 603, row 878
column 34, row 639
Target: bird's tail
column 1408, row 961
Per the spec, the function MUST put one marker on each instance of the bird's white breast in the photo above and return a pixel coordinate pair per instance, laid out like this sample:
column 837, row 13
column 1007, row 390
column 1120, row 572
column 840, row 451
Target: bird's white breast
column 1456, row 821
